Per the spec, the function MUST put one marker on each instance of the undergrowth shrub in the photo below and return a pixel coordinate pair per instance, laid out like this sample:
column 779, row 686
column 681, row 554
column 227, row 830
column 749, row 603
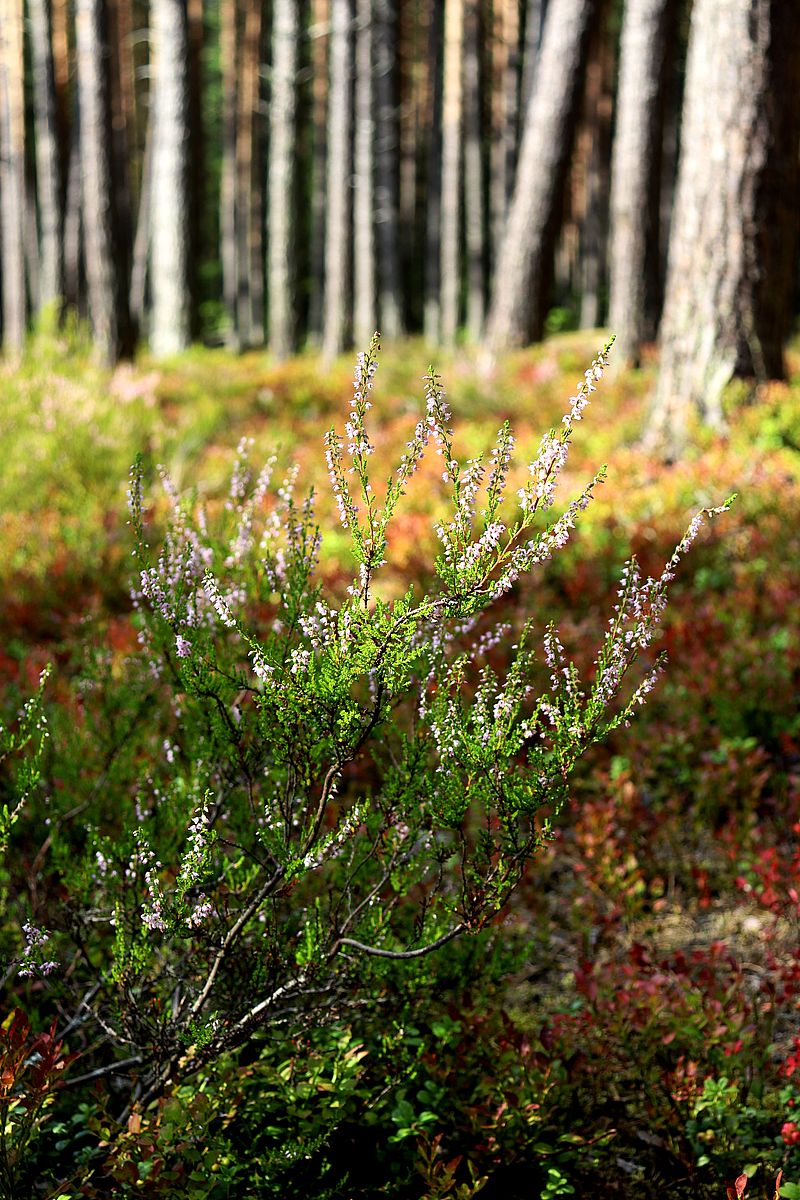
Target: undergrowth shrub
column 291, row 797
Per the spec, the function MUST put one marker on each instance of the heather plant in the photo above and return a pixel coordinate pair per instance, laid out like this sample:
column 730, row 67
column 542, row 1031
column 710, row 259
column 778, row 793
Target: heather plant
column 313, row 788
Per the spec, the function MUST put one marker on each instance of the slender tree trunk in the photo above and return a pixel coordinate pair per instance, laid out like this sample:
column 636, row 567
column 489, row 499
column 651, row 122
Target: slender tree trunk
column 198, row 184
column 635, row 168
column 534, row 26
column 433, row 213
column 141, row 243
column 338, row 182
column 319, row 158
column 505, row 115
column 12, row 176
column 594, row 225
column 59, row 18
column 33, row 264
column 98, row 221
column 228, row 215
column 118, row 69
column 249, row 256
column 517, row 308
column 498, row 162
column 47, row 169
column 73, row 227
column 473, row 173
column 364, row 311
column 169, row 333
column 732, row 259
column 411, row 72
column 452, row 113
column 386, row 150
column 280, row 277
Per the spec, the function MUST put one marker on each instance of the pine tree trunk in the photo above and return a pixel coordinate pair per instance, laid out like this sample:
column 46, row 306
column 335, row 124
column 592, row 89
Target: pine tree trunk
column 73, row 226
column 169, row 333
column 594, row 225
column 33, row 265
column 319, row 159
column 119, row 75
column 411, row 73
column 198, row 182
column 364, row 312
column 12, row 176
column 137, row 301
column 731, row 267
column 473, row 173
column 95, row 157
column 249, row 257
column 635, row 170
column 47, row 169
column 386, row 174
column 433, row 208
column 227, row 210
column 452, row 113
column 534, row 25
column 285, row 34
column 337, row 226
column 498, row 164
column 521, row 278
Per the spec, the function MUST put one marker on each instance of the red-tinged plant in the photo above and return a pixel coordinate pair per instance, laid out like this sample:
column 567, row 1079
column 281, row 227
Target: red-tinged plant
column 736, row 1189
column 31, row 1070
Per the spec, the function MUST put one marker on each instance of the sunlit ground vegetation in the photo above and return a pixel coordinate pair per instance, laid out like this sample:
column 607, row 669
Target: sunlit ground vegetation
column 629, row 1024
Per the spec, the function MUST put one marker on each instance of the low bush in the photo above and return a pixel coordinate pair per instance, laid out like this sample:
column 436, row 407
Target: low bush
column 259, row 831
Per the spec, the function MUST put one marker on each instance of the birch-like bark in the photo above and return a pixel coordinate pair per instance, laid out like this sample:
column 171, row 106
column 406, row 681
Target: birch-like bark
column 280, row 181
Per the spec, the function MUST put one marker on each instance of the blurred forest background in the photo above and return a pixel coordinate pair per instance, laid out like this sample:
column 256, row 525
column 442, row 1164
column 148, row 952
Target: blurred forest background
column 306, row 171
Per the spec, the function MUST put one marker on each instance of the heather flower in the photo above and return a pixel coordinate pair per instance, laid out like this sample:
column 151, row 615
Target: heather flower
column 33, row 961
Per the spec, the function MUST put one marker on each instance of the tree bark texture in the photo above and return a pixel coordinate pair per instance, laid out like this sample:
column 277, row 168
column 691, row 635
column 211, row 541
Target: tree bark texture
column 517, row 310
column 337, row 225
column 12, row 176
column 280, row 183
column 635, row 170
column 169, row 224
column 452, row 115
column 732, row 249
column 47, row 168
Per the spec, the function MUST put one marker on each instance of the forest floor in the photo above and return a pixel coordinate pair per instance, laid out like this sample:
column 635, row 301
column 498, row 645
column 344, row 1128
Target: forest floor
column 649, row 1018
